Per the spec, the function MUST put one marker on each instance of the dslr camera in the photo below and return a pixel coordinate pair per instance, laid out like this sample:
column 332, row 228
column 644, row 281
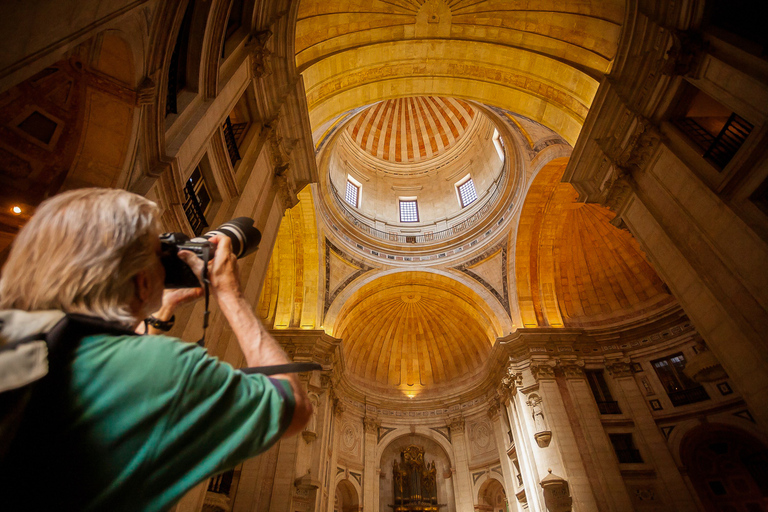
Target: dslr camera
column 245, row 240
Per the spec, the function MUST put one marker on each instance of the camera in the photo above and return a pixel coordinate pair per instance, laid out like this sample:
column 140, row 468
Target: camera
column 245, row 240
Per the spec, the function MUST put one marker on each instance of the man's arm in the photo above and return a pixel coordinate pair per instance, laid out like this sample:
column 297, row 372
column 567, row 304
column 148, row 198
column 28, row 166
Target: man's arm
column 258, row 346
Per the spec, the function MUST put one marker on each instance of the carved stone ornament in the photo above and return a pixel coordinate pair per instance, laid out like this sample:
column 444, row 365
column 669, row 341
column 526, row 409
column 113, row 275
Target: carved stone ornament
column 619, row 369
column 308, row 436
column 542, row 434
column 260, row 54
column 338, row 408
column 542, row 371
column 493, row 407
column 687, row 50
column 371, row 425
column 147, row 89
column 510, row 382
column 456, row 424
column 543, row 438
column 573, row 370
column 557, row 496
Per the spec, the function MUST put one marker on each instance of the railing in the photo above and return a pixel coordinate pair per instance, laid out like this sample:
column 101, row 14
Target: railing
column 221, row 484
column 721, row 149
column 193, row 210
column 231, row 140
column 360, row 223
column 608, row 407
column 629, row 455
column 688, row 396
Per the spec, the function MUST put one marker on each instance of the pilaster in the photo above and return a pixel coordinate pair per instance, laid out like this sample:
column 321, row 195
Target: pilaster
column 463, row 480
column 648, row 434
column 371, row 475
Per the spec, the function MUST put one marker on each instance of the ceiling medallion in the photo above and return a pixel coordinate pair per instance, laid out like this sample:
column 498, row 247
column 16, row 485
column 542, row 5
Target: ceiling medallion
column 410, row 298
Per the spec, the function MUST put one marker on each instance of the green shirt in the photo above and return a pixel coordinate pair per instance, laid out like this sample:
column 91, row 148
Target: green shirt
column 134, row 422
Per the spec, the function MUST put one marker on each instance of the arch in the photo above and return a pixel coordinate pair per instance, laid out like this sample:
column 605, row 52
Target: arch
column 387, row 453
column 401, row 432
column 727, row 467
column 501, row 321
column 346, row 496
column 529, row 61
column 490, row 487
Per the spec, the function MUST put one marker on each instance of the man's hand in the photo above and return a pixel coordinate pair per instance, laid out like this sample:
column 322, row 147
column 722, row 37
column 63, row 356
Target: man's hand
column 223, row 272
column 172, row 299
column 258, row 346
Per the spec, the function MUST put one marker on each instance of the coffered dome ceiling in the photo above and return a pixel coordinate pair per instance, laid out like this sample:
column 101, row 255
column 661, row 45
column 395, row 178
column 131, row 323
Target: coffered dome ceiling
column 411, row 129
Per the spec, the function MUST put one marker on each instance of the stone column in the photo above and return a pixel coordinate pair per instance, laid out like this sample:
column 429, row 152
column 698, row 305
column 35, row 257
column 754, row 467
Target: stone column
column 371, row 474
column 555, row 446
column 526, row 495
column 333, row 451
column 285, row 475
column 649, row 436
column 605, row 476
column 502, row 442
column 463, row 481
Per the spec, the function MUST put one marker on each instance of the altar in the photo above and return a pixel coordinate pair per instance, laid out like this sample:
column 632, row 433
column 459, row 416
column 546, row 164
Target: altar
column 415, row 482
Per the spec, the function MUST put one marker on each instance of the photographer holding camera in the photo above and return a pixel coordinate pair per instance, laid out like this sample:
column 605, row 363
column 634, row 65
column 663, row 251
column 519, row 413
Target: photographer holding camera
column 120, row 421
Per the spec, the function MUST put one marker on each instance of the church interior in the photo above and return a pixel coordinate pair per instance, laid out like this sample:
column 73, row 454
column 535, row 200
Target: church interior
column 526, row 241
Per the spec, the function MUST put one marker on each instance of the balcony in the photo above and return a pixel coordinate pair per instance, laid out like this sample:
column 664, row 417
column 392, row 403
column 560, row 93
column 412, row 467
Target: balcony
column 688, row 396
column 609, row 407
column 629, row 456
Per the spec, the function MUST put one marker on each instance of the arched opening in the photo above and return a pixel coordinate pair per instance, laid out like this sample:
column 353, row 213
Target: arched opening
column 727, row 467
column 346, row 498
column 415, row 470
column 491, row 497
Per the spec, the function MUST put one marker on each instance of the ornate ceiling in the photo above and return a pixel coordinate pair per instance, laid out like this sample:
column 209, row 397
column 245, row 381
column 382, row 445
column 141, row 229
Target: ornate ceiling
column 414, row 330
column 540, row 59
column 403, row 82
column 411, row 129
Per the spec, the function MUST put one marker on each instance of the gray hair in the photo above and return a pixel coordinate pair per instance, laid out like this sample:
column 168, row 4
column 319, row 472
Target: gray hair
column 79, row 254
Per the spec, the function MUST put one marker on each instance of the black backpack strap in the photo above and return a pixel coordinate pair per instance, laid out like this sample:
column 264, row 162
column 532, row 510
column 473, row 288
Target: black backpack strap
column 282, row 368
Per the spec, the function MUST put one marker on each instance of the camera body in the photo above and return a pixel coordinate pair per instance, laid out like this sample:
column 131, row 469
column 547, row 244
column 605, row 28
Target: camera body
column 245, row 240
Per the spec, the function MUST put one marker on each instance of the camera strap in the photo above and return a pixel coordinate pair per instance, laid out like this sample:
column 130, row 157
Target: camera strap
column 264, row 370
column 206, row 249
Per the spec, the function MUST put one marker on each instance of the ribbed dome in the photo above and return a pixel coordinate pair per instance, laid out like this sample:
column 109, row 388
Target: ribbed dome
column 409, row 331
column 410, row 130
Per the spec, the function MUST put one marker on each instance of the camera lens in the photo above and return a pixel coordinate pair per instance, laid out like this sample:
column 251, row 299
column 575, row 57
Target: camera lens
column 245, row 238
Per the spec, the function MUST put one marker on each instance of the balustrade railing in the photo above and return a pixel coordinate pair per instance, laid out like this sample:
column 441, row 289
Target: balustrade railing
column 362, row 225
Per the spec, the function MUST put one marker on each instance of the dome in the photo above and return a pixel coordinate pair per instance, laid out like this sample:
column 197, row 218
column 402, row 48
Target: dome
column 410, row 130
column 414, row 332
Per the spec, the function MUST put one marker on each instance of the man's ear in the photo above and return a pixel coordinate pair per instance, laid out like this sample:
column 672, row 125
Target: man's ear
column 142, row 286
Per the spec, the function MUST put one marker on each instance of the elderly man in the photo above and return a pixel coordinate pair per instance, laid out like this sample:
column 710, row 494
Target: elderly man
column 128, row 422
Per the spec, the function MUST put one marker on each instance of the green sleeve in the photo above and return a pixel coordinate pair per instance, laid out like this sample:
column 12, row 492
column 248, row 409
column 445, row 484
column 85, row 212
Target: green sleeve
column 220, row 418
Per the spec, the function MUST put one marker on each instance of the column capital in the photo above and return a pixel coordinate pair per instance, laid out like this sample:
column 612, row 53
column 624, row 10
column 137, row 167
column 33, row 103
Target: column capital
column 543, row 370
column 371, row 424
column 572, row 369
column 494, row 405
column 456, row 424
column 619, row 369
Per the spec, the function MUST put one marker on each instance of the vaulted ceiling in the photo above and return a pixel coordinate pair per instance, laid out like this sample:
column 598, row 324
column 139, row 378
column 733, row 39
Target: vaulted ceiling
column 404, row 81
column 540, row 59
